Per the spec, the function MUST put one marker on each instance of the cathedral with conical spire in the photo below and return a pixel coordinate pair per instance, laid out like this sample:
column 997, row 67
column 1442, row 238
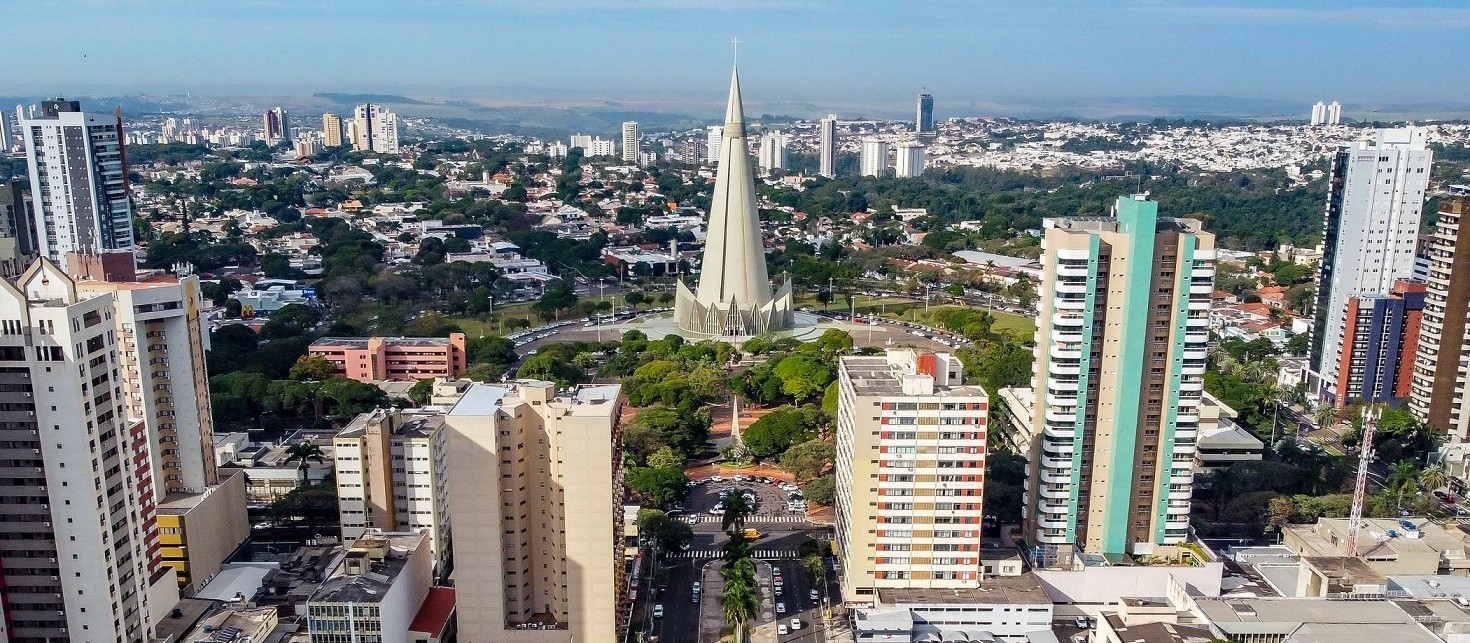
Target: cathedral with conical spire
column 734, row 295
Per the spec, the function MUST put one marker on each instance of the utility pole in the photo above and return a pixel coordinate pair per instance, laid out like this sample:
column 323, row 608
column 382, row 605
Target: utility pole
column 600, row 285
column 1360, row 489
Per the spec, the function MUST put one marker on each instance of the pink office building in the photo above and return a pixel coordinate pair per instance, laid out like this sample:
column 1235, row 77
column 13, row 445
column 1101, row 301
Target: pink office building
column 368, row 359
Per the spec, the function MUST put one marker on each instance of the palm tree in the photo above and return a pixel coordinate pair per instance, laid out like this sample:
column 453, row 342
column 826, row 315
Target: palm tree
column 1326, row 416
column 1402, row 476
column 738, row 600
column 305, row 453
column 737, row 549
column 737, row 509
column 1433, row 477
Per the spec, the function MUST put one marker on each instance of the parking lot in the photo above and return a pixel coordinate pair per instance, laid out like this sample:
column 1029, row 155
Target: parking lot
column 770, row 500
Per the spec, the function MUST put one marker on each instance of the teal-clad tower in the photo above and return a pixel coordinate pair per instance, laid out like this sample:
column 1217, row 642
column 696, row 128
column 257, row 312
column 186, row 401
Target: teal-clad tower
column 1122, row 329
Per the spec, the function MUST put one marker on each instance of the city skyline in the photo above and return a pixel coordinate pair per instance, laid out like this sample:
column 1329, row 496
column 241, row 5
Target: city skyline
column 962, row 53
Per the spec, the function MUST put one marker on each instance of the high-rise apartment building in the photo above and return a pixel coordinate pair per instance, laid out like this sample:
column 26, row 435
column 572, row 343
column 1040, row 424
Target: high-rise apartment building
column 375, row 129
column 827, row 147
column 908, row 162
column 713, row 139
column 1375, row 198
column 1334, row 113
column 910, row 473
column 333, row 134
column 536, row 479
column 874, row 160
column 390, row 468
column 277, row 128
column 79, row 556
column 1121, row 343
column 1319, row 114
column 17, row 239
column 1438, row 392
column 630, row 141
column 161, row 341
column 924, row 120
column 772, row 154
column 601, row 147
column 1380, row 338
column 7, row 133
column 79, row 181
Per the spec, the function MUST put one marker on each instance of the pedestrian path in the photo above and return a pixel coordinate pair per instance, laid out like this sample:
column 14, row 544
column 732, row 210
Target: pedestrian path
column 718, row 553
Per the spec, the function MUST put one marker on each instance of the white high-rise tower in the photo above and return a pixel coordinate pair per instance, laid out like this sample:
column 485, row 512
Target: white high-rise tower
column 828, row 147
column 79, row 179
column 734, row 296
column 1375, row 199
column 630, row 141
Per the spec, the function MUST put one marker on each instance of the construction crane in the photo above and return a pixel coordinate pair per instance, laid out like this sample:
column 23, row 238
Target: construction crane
column 1360, row 489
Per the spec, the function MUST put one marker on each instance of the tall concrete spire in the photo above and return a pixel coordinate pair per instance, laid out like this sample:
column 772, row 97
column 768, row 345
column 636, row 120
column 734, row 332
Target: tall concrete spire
column 734, row 295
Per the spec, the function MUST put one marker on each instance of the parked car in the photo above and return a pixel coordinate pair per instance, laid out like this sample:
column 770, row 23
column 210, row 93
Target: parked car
column 658, row 610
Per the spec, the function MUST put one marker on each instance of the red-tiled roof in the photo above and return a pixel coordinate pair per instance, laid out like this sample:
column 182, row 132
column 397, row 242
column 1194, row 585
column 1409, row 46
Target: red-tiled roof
column 434, row 614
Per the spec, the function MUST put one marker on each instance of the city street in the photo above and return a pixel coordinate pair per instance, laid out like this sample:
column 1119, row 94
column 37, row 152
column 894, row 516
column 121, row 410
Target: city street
column 680, row 623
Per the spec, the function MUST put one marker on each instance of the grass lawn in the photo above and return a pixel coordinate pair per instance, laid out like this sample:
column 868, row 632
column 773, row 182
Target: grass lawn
column 902, row 308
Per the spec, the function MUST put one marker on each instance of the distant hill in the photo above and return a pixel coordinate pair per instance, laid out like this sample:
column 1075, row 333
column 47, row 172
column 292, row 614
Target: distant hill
column 386, row 99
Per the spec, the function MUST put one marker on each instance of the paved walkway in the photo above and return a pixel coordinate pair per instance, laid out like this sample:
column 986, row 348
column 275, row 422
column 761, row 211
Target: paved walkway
column 764, row 470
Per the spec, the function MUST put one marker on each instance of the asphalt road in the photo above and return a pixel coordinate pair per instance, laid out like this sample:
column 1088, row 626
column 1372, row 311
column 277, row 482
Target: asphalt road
column 680, row 623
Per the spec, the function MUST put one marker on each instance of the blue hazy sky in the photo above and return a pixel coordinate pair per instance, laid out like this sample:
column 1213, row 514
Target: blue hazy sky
column 792, row 51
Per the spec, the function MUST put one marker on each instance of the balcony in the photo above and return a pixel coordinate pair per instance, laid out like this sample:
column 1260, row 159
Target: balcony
column 1056, row 368
column 1067, row 321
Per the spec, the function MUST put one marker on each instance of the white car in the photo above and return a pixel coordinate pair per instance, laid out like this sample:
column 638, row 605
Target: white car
column 658, row 610
column 795, row 624
column 780, row 608
column 782, row 629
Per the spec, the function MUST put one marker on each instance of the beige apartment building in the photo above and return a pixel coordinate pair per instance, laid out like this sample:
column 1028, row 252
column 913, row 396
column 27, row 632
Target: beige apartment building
column 910, row 472
column 391, row 476
column 536, row 477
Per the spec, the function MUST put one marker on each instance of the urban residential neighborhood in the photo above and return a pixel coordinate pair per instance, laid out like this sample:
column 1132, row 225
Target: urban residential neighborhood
column 383, row 374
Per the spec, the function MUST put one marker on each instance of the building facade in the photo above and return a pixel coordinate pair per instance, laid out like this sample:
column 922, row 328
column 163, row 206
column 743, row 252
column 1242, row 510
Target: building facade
column 200, row 531
column 79, row 180
column 1371, row 228
column 277, row 128
column 162, row 344
column 79, row 552
column 910, row 469
column 827, row 146
column 874, row 161
column 714, row 138
column 374, row 129
column 537, row 478
column 1121, row 342
column 1380, row 339
column 630, row 141
column 332, row 131
column 772, row 154
column 390, row 468
column 1438, row 393
column 924, row 120
column 17, row 239
column 372, row 359
column 909, row 161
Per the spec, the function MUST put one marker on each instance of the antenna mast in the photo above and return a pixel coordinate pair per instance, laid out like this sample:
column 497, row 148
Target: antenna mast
column 1360, row 489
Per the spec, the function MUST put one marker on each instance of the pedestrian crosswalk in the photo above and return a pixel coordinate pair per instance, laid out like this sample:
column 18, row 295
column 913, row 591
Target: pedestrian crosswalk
column 759, row 519
column 771, row 554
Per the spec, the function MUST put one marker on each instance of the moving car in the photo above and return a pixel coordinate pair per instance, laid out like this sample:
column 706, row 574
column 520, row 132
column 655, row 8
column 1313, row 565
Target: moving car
column 795, row 624
column 780, row 608
column 782, row 629
column 658, row 610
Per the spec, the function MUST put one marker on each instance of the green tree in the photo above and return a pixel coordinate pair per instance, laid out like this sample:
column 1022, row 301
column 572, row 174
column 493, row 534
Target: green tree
column 665, row 458
column 803, row 377
column 822, row 491
column 775, row 432
column 663, row 486
column 314, row 368
column 807, row 461
column 672, row 535
column 421, row 391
